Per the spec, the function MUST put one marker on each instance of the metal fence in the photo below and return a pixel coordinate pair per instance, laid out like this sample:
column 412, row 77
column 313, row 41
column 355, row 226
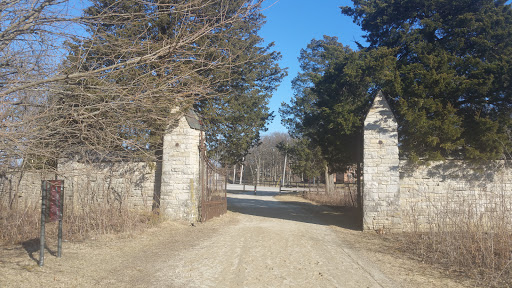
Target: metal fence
column 213, row 188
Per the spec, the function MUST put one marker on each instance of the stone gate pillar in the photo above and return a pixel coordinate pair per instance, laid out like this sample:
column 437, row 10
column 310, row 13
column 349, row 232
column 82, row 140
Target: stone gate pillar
column 179, row 189
column 381, row 189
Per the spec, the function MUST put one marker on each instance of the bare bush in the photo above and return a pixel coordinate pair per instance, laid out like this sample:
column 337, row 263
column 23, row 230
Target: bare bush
column 22, row 222
column 469, row 236
column 344, row 195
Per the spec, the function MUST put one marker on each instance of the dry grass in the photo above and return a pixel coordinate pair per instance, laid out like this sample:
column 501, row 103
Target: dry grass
column 344, row 196
column 457, row 238
column 472, row 238
column 483, row 256
column 22, row 222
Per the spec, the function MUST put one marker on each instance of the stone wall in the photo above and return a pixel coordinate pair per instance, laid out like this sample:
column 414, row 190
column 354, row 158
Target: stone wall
column 121, row 183
column 381, row 196
column 450, row 191
column 172, row 182
column 400, row 196
column 17, row 188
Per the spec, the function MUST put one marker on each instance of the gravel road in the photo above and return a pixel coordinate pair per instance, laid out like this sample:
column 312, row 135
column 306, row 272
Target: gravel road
column 261, row 242
column 276, row 244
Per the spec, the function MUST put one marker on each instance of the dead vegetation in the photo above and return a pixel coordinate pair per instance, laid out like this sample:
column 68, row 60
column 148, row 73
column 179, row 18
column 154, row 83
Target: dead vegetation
column 21, row 223
column 466, row 239
column 483, row 256
column 345, row 195
column 455, row 240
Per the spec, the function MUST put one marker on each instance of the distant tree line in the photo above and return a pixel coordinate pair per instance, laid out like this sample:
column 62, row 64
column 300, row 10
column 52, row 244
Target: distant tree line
column 279, row 159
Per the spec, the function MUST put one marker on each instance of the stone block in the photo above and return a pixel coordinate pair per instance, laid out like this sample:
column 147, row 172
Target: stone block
column 180, row 164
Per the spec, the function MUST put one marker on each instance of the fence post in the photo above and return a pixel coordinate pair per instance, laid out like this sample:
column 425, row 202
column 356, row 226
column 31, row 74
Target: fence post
column 43, row 221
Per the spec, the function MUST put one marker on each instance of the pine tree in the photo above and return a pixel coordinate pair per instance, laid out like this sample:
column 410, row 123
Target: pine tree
column 156, row 59
column 235, row 118
column 453, row 93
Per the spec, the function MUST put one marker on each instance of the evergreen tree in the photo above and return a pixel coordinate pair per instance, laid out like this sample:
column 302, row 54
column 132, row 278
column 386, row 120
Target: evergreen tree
column 238, row 114
column 306, row 159
column 453, row 94
column 187, row 51
column 332, row 95
column 297, row 116
column 344, row 96
column 314, row 61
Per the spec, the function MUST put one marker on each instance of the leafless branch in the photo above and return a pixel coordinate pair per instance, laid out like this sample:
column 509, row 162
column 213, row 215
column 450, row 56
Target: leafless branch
column 71, row 87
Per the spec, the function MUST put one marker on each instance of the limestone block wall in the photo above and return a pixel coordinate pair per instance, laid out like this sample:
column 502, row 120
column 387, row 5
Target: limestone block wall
column 381, row 196
column 449, row 191
column 174, row 180
column 22, row 188
column 401, row 196
column 179, row 189
column 115, row 183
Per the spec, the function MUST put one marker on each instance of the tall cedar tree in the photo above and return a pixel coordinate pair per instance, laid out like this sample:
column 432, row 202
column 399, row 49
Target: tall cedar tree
column 314, row 61
column 331, row 98
column 344, row 97
column 453, row 60
column 234, row 120
column 203, row 67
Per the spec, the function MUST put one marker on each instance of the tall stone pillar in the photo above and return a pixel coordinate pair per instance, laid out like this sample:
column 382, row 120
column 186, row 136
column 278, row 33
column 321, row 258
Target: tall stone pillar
column 381, row 187
column 179, row 189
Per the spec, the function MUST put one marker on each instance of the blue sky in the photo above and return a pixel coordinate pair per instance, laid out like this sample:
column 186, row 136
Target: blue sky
column 291, row 24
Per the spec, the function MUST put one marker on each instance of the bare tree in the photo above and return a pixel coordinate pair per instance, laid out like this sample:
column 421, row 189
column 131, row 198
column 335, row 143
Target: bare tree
column 31, row 38
column 107, row 83
column 266, row 162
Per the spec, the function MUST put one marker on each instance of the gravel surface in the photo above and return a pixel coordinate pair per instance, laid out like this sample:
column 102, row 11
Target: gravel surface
column 265, row 240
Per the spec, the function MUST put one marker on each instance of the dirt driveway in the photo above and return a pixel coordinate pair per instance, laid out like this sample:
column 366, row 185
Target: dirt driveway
column 261, row 242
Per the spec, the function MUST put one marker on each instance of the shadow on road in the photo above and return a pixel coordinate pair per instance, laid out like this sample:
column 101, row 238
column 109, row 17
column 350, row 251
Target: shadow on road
column 263, row 205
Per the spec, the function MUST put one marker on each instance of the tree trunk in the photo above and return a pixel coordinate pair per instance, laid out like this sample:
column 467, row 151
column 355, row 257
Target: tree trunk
column 359, row 188
column 255, row 176
column 358, row 172
column 263, row 172
column 284, row 168
column 241, row 173
column 329, row 181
